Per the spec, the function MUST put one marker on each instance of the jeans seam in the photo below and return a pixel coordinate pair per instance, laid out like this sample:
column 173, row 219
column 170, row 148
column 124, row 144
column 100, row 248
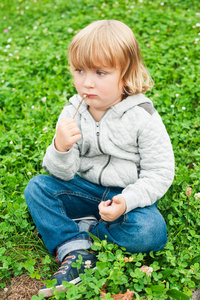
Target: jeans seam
column 61, row 208
column 78, row 194
column 125, row 218
column 105, row 194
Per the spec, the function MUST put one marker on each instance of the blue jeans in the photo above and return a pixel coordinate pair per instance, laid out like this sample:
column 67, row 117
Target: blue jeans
column 54, row 204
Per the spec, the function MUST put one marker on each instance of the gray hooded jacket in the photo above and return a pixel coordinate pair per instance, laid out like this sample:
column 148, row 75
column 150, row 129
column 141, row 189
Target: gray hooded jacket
column 128, row 148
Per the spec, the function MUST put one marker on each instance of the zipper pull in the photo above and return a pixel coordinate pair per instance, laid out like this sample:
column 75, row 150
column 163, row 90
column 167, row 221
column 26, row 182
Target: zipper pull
column 98, row 136
column 97, row 131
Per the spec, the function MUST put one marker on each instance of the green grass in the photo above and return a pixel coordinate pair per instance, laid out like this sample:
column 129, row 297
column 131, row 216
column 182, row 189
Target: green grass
column 35, row 83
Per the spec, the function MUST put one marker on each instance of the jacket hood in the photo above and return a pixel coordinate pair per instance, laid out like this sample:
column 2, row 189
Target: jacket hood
column 120, row 108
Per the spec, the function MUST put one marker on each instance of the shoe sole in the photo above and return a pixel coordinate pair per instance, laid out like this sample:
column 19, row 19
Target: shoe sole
column 86, row 218
column 49, row 292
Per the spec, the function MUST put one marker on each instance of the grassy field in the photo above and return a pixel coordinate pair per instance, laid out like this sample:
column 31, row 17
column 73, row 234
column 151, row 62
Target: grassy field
column 35, row 84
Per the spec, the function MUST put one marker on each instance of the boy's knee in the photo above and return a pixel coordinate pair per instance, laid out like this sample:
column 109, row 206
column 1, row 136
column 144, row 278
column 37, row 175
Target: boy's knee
column 156, row 234
column 154, row 231
column 32, row 186
column 148, row 235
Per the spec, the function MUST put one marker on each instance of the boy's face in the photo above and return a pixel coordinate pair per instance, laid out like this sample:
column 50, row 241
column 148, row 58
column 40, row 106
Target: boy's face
column 102, row 85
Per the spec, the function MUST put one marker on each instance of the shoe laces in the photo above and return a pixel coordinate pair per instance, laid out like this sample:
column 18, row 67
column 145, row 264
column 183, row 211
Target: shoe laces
column 65, row 264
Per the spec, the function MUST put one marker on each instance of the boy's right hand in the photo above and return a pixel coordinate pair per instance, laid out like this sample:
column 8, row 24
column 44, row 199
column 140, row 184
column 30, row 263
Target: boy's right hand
column 67, row 134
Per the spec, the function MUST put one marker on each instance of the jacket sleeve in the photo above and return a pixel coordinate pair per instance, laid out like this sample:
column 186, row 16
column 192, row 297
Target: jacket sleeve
column 62, row 165
column 156, row 172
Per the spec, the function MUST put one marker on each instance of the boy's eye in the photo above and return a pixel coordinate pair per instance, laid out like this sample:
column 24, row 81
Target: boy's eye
column 101, row 73
column 79, row 71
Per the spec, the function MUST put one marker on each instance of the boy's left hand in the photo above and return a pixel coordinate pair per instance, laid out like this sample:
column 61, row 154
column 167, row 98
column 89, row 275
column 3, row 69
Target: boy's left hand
column 111, row 212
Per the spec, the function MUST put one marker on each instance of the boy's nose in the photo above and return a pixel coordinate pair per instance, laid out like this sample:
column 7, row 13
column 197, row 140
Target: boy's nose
column 89, row 82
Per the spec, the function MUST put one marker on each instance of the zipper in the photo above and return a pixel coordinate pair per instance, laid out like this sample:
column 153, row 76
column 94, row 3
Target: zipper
column 99, row 145
column 98, row 134
column 105, row 166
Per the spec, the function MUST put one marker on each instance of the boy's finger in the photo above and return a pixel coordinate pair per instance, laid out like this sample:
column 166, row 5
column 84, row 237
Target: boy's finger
column 107, row 202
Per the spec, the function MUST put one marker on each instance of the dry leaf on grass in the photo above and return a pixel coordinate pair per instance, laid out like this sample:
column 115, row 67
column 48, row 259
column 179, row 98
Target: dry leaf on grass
column 127, row 296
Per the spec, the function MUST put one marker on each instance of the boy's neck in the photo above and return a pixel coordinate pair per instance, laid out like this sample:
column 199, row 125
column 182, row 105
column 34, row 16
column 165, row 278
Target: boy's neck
column 97, row 114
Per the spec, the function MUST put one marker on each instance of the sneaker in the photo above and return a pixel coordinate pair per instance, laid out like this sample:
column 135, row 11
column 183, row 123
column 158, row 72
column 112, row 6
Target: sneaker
column 67, row 273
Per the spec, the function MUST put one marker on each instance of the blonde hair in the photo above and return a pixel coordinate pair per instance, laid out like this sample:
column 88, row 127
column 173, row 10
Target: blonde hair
column 109, row 43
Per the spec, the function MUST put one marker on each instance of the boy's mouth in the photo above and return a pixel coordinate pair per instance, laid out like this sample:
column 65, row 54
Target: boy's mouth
column 90, row 95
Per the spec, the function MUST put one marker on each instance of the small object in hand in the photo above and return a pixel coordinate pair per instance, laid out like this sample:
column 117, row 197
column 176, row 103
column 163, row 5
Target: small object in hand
column 79, row 105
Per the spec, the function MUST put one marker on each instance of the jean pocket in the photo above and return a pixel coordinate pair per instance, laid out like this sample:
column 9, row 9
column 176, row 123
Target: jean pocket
column 117, row 222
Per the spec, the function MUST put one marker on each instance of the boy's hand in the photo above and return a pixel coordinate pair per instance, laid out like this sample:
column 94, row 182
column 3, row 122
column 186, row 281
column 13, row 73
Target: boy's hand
column 67, row 134
column 111, row 212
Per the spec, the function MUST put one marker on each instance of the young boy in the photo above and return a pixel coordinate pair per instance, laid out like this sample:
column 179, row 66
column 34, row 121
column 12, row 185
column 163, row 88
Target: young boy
column 109, row 162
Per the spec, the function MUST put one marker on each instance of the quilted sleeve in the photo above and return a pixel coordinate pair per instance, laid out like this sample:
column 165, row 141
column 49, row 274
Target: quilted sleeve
column 62, row 165
column 156, row 171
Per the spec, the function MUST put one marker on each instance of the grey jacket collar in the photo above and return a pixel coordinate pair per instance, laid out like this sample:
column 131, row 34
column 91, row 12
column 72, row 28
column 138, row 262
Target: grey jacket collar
column 120, row 108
